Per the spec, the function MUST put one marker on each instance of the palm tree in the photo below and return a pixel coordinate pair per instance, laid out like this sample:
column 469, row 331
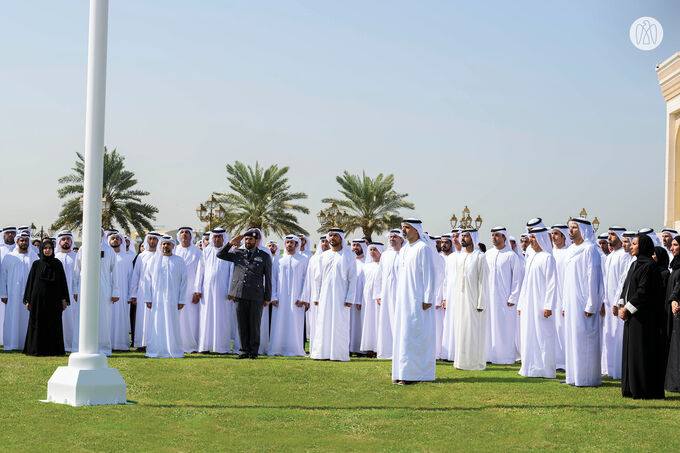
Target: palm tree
column 373, row 204
column 126, row 208
column 261, row 198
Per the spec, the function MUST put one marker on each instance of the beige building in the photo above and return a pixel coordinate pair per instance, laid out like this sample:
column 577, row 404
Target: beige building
column 669, row 79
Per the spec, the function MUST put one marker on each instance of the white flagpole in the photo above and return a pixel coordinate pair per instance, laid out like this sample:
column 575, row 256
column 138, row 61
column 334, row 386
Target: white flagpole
column 87, row 380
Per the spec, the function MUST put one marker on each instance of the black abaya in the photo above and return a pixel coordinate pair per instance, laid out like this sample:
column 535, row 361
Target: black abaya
column 672, row 383
column 46, row 287
column 644, row 361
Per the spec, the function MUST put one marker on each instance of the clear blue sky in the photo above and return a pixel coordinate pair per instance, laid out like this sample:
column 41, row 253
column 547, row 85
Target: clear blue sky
column 518, row 109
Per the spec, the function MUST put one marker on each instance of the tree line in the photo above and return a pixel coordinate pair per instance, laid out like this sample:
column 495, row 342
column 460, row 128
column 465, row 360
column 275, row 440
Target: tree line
column 255, row 196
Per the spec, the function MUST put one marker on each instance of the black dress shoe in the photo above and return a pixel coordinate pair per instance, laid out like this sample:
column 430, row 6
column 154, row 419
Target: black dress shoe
column 242, row 356
column 253, row 356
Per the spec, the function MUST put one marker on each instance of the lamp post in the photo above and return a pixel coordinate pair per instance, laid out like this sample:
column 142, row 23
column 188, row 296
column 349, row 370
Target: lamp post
column 87, row 380
column 466, row 220
column 210, row 210
column 41, row 234
column 106, row 205
column 332, row 217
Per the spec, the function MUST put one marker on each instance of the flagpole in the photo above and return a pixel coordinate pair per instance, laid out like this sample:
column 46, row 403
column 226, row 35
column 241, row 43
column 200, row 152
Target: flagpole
column 87, row 380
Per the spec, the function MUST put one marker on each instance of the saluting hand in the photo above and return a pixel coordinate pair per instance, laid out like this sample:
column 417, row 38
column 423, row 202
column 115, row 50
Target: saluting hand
column 236, row 241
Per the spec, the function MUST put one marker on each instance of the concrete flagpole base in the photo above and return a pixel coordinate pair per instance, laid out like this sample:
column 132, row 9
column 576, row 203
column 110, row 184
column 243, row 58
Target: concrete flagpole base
column 86, row 381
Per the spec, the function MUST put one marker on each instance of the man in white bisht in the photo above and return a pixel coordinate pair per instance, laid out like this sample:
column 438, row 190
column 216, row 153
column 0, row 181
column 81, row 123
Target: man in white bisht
column 109, row 294
column 448, row 349
column 470, row 302
column 216, row 311
column 288, row 308
column 583, row 294
column 309, row 288
column 371, row 293
column 189, row 316
column 67, row 256
column 561, row 242
column 138, row 287
column 120, row 312
column 536, row 308
column 505, row 283
column 414, row 351
column 388, row 270
column 356, row 314
column 165, row 297
column 13, row 274
column 616, row 269
column 335, row 289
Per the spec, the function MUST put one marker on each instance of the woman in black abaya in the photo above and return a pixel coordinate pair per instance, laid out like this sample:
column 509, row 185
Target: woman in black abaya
column 644, row 361
column 46, row 296
column 673, row 321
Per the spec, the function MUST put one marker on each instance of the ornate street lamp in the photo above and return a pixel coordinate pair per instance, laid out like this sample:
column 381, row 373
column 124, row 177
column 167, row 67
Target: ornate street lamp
column 466, row 220
column 332, row 217
column 210, row 211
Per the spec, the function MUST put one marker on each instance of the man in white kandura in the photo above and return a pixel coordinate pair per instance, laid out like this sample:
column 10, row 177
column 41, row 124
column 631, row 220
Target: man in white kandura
column 120, row 311
column 414, row 330
column 165, row 296
column 439, row 267
column 216, row 312
column 13, row 274
column 388, row 270
column 561, row 243
column 470, row 300
column 356, row 314
column 67, row 256
column 369, row 328
column 138, row 287
column 583, row 296
column 334, row 295
column 309, row 288
column 505, row 283
column 537, row 307
column 189, row 316
column 288, row 308
column 616, row 264
column 6, row 246
column 109, row 294
column 448, row 349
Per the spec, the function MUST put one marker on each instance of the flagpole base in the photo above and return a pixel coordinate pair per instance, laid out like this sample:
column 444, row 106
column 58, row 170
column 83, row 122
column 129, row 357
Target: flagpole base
column 87, row 381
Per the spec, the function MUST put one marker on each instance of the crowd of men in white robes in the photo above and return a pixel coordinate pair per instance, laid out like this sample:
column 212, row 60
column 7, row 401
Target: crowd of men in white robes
column 549, row 300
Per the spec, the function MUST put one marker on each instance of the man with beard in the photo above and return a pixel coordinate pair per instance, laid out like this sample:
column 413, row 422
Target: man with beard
column 561, row 242
column 138, row 288
column 335, row 289
column 369, row 331
column 505, row 283
column 165, row 297
column 356, row 319
column 120, row 314
column 612, row 330
column 250, row 288
column 388, row 270
column 524, row 242
column 667, row 235
column 14, row 271
column 310, row 289
column 189, row 316
column 583, row 294
column 288, row 309
column 216, row 311
column 68, row 260
column 470, row 302
column 414, row 350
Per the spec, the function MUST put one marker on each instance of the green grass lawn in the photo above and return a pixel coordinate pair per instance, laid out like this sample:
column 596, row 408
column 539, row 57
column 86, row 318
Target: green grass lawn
column 211, row 402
